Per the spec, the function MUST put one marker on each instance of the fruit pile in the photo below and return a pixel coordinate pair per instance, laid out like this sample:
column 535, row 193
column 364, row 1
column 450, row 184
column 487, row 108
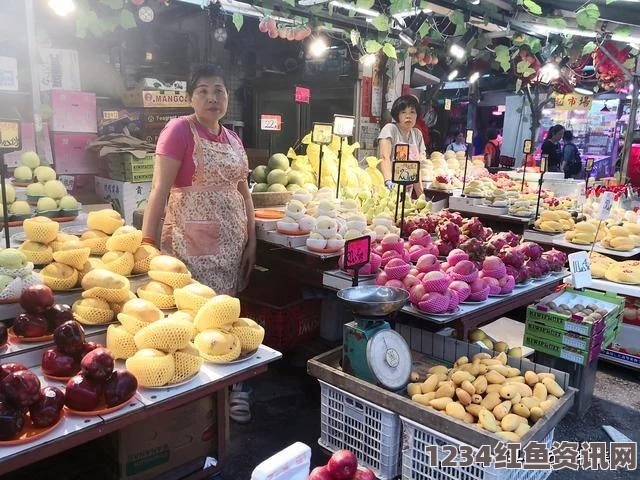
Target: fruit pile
column 478, row 335
column 487, row 393
column 622, row 237
column 279, row 176
column 555, row 221
column 16, row 274
column 63, row 360
column 41, row 316
column 24, row 403
column 43, row 190
column 528, row 261
column 104, row 294
column 584, row 233
column 167, row 274
column 578, row 312
column 343, row 465
column 627, row 272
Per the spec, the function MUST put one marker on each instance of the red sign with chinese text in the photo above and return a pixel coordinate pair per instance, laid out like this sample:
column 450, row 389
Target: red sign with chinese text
column 303, row 95
column 357, row 252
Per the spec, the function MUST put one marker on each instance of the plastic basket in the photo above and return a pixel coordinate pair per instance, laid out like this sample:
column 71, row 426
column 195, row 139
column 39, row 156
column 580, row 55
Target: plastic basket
column 372, row 433
column 416, row 461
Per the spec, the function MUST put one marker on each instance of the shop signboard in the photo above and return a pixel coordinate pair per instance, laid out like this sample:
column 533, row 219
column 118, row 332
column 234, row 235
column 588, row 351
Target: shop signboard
column 164, row 98
column 9, row 136
column 573, row 101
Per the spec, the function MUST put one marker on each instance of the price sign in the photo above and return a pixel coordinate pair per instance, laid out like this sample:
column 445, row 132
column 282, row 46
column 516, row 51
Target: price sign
column 271, row 123
column 343, row 125
column 322, row 133
column 580, row 269
column 110, row 115
column 526, row 147
column 68, row 181
column 405, row 173
column 401, row 152
column 10, row 138
column 606, row 205
column 588, row 167
column 469, row 136
column 303, row 95
column 543, row 163
column 447, row 104
column 357, row 252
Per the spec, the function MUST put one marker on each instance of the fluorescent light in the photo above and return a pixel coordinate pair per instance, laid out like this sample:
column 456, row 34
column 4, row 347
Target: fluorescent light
column 308, row 3
column 474, row 2
column 474, row 77
column 62, row 8
column 318, row 47
column 583, row 91
column 232, row 6
column 368, row 59
column 452, row 75
column 411, row 13
column 353, row 8
column 457, row 51
column 623, row 39
column 564, row 31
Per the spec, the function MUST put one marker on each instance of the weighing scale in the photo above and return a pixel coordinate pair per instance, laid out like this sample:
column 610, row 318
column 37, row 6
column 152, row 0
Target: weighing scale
column 371, row 349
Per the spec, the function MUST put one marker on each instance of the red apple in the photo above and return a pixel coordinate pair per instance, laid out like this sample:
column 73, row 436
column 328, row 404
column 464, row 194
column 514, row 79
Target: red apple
column 120, row 387
column 30, row 325
column 11, row 421
column 416, row 293
column 364, row 474
column 97, row 365
column 82, row 394
column 57, row 315
column 410, row 281
column 69, row 337
column 21, row 388
column 395, row 284
column 7, row 368
column 59, row 364
column 36, row 298
column 320, row 473
column 343, row 465
column 46, row 411
column 382, row 278
column 88, row 347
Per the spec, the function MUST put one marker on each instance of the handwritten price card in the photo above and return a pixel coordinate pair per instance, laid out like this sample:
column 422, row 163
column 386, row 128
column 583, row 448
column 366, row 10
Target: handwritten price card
column 580, row 269
column 270, row 123
column 606, row 205
column 405, row 173
column 357, row 252
column 10, row 140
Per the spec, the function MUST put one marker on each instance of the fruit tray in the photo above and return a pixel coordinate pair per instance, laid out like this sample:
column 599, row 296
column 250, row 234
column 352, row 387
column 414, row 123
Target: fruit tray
column 30, row 433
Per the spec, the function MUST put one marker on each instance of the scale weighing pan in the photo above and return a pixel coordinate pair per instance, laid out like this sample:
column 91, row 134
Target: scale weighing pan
column 373, row 300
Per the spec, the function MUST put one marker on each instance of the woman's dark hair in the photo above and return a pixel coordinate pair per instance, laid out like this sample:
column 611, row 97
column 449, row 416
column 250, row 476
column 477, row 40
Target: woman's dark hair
column 492, row 134
column 403, row 102
column 568, row 136
column 205, row 70
column 554, row 130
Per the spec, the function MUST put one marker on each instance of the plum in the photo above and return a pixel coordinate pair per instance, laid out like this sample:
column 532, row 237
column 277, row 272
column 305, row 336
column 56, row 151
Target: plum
column 59, row 364
column 36, row 298
column 30, row 325
column 11, row 421
column 46, row 411
column 22, row 388
column 82, row 394
column 120, row 387
column 69, row 337
column 97, row 365
column 57, row 315
column 7, row 368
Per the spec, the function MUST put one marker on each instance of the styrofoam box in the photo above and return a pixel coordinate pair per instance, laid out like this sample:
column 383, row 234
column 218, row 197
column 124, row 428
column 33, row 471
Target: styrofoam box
column 70, row 153
column 125, row 197
column 72, row 111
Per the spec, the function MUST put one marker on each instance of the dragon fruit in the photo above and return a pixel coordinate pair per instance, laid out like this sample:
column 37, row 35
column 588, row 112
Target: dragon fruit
column 495, row 244
column 473, row 228
column 449, row 232
column 555, row 258
column 534, row 270
column 443, row 247
column 475, row 249
column 454, row 217
column 512, row 256
column 531, row 250
column 520, row 274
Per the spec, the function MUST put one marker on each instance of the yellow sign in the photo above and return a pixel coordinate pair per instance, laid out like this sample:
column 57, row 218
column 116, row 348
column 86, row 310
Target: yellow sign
column 322, row 133
column 405, row 173
column 573, row 101
column 447, row 104
column 9, row 135
column 164, row 98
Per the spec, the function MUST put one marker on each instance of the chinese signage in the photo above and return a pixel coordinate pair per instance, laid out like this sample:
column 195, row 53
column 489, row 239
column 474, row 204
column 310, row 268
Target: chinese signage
column 9, row 135
column 322, row 133
column 405, row 173
column 303, row 95
column 573, row 101
column 164, row 98
column 357, row 252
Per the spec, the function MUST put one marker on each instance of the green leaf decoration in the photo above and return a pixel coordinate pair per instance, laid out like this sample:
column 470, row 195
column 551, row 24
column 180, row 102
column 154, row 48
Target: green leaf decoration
column 482, row 42
column 355, row 37
column 423, row 31
column 532, row 7
column 113, row 4
column 365, row 3
column 503, row 57
column 534, row 44
column 588, row 48
column 522, row 66
column 381, row 23
column 456, row 17
column 460, row 29
column 290, row 2
column 372, row 46
column 400, row 6
column 623, row 31
column 587, row 17
column 127, row 20
column 389, row 50
column 238, row 20
column 436, row 35
column 557, row 22
column 519, row 87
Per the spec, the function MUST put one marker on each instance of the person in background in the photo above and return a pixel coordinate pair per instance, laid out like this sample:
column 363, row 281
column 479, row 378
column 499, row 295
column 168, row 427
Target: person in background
column 458, row 144
column 405, row 112
column 571, row 161
column 479, row 143
column 551, row 148
column 492, row 149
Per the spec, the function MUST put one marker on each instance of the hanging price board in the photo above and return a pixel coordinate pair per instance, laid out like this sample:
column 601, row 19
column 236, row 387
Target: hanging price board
column 469, row 137
column 543, row 163
column 447, row 104
column 405, row 172
column 322, row 133
column 401, row 152
column 588, row 167
column 580, row 269
column 271, row 123
column 343, row 125
column 526, row 147
column 10, row 138
column 357, row 252
column 606, row 205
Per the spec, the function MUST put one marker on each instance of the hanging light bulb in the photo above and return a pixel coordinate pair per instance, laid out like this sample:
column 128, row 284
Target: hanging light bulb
column 318, row 47
column 452, row 75
column 62, row 8
column 368, row 59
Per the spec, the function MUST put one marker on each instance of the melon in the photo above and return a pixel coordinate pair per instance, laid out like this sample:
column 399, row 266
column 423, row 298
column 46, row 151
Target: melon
column 45, row 204
column 35, row 190
column 277, row 176
column 68, row 202
column 45, row 174
column 260, row 188
column 23, row 173
column 30, row 159
column 260, row 174
column 55, row 189
column 20, row 208
column 277, row 188
column 278, row 161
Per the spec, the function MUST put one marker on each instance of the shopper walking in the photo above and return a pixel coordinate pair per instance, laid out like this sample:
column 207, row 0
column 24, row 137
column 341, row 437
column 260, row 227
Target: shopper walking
column 571, row 161
column 551, row 148
column 492, row 149
column 458, row 144
column 404, row 111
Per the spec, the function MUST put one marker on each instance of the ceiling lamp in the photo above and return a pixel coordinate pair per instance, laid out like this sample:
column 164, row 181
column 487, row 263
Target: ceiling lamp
column 583, row 91
column 318, row 47
column 452, row 75
column 474, row 77
column 62, row 7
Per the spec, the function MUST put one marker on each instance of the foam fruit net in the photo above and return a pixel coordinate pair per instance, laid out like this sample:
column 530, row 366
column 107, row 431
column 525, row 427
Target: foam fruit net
column 104, row 223
column 17, row 272
column 110, row 295
column 31, row 279
column 203, row 343
column 131, row 324
column 38, row 257
column 218, row 312
column 41, row 232
column 250, row 338
column 98, row 246
column 74, row 258
column 186, row 300
column 123, row 265
column 186, row 365
column 92, row 315
column 128, row 242
column 152, row 371
column 60, row 284
column 13, row 290
column 175, row 280
column 167, row 335
column 158, row 299
column 120, row 342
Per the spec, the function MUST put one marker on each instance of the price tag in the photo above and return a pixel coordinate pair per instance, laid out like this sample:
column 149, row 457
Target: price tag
column 469, row 136
column 271, row 123
column 526, row 147
column 357, row 252
column 303, row 95
column 405, row 173
column 580, row 269
column 68, row 181
column 343, row 125
column 543, row 163
column 401, row 152
column 10, row 136
column 606, row 205
column 110, row 115
column 588, row 167
column 447, row 104
column 322, row 133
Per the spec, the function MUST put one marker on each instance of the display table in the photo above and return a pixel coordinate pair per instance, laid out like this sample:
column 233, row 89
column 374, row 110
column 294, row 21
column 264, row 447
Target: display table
column 605, row 251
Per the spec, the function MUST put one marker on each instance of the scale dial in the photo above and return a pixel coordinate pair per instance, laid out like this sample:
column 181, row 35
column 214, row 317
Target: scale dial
column 389, row 359
column 146, row 14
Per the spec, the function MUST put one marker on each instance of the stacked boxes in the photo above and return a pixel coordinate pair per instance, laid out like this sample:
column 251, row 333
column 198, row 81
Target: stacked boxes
column 125, row 197
column 143, row 123
column 125, row 167
column 573, row 338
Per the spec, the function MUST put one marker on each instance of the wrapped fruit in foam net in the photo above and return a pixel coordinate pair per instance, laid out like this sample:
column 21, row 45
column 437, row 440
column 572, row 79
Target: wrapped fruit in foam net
column 218, row 346
column 187, row 363
column 10, row 288
column 125, row 239
column 219, row 312
column 72, row 253
column 59, row 277
column 14, row 263
column 249, row 333
column 61, row 239
column 92, row 311
column 106, row 220
column 193, row 296
column 169, row 270
column 106, row 285
column 118, row 262
column 151, row 367
column 37, row 253
column 138, row 313
column 96, row 240
column 142, row 258
column 91, row 264
column 167, row 334
column 158, row 293
column 41, row 229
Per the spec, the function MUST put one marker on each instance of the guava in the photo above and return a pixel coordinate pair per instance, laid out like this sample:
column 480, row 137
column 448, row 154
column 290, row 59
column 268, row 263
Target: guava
column 4, row 281
column 68, row 202
column 20, row 208
column 260, row 188
column 45, row 204
column 277, row 188
column 292, row 187
column 297, row 177
column 12, row 259
column 278, row 161
column 277, row 176
column 45, row 174
column 35, row 190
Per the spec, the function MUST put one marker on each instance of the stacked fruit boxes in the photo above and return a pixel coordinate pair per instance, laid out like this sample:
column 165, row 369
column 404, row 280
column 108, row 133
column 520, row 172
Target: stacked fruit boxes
column 125, row 167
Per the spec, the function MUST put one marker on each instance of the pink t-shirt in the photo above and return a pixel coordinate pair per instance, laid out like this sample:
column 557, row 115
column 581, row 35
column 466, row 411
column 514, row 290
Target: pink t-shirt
column 176, row 142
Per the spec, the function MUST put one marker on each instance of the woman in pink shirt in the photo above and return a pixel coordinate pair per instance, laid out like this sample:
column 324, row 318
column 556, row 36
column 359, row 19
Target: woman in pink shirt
column 201, row 168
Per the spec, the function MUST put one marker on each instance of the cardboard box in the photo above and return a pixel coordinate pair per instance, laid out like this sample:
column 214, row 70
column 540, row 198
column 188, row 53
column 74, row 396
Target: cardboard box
column 72, row 111
column 58, row 68
column 147, row 449
column 155, row 98
column 8, row 74
column 70, row 153
column 125, row 197
column 571, row 354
